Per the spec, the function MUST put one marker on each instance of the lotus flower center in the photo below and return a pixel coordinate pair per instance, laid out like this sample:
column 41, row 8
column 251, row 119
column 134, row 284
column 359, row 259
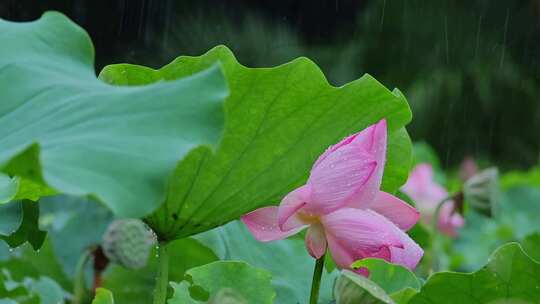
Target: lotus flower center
column 309, row 218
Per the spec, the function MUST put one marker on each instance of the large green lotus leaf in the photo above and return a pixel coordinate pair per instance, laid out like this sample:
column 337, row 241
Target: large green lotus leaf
column 245, row 283
column 510, row 276
column 63, row 127
column 531, row 245
column 277, row 122
column 288, row 261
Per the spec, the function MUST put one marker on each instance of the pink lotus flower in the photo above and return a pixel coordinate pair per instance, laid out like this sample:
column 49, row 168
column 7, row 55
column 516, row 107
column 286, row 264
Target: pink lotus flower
column 343, row 207
column 427, row 194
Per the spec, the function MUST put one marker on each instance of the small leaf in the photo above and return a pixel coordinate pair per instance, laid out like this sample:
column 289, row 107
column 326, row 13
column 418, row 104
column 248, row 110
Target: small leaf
column 352, row 288
column 249, row 283
column 390, row 277
column 8, row 188
column 103, row 296
column 26, row 213
column 404, row 296
column 29, row 189
column 510, row 276
column 181, row 294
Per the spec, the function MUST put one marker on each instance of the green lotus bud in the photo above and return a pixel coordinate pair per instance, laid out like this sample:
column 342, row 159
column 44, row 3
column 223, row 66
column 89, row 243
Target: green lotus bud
column 128, row 242
column 481, row 191
column 227, row 296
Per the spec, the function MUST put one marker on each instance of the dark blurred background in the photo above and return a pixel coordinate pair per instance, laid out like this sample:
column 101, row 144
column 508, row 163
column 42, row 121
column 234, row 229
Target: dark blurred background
column 470, row 69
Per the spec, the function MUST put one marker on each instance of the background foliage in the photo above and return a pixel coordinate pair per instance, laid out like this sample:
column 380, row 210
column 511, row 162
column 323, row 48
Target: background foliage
column 469, row 68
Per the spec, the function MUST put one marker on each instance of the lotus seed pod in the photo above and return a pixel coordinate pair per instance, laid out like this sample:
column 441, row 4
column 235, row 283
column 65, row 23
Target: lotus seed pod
column 227, row 296
column 128, row 242
column 482, row 191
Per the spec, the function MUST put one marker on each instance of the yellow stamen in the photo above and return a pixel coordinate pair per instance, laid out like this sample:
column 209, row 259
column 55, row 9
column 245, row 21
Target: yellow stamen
column 308, row 218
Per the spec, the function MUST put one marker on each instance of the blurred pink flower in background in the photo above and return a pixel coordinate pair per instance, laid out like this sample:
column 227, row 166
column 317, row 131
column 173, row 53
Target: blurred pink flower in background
column 343, row 208
column 468, row 168
column 422, row 188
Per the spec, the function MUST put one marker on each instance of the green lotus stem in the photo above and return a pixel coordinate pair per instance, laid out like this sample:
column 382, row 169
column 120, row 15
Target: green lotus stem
column 316, row 281
column 435, row 232
column 79, row 286
column 162, row 279
column 438, row 212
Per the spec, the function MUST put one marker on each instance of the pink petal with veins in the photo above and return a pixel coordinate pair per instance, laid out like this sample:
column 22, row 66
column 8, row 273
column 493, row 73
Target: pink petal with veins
column 397, row 211
column 316, row 240
column 290, row 205
column 355, row 234
column 263, row 224
column 339, row 178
